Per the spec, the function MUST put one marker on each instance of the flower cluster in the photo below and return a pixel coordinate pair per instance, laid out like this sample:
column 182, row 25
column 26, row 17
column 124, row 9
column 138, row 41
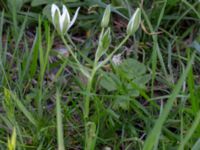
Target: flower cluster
column 62, row 21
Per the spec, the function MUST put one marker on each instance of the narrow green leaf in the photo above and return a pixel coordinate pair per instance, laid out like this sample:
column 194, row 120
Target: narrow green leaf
column 1, row 32
column 190, row 132
column 191, row 86
column 22, row 108
column 155, row 132
column 35, row 3
column 196, row 145
column 34, row 51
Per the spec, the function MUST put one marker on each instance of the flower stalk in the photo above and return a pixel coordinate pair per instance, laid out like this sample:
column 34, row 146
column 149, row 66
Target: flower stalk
column 62, row 23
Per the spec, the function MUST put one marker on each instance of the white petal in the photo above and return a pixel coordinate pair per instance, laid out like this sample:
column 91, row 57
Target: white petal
column 61, row 21
column 64, row 16
column 74, row 18
column 54, row 8
column 65, row 11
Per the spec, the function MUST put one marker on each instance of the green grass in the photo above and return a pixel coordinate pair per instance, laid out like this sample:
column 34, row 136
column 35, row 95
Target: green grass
column 65, row 92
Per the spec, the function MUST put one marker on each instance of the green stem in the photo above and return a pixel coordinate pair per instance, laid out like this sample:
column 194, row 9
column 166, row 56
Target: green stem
column 90, row 81
column 75, row 58
column 70, row 40
column 70, row 50
column 96, row 66
column 89, row 139
column 113, row 52
column 88, row 90
column 90, row 77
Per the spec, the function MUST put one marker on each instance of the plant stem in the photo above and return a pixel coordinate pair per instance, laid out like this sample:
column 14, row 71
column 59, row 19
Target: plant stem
column 69, row 49
column 70, row 40
column 113, row 52
column 88, row 90
column 96, row 66
column 89, row 139
column 75, row 58
column 90, row 77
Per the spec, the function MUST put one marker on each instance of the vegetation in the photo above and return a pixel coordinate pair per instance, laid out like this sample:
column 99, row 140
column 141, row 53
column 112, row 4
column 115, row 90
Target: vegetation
column 122, row 74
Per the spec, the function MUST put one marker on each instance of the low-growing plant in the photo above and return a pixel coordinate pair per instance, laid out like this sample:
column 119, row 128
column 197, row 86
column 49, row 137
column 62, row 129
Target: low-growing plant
column 102, row 79
column 62, row 23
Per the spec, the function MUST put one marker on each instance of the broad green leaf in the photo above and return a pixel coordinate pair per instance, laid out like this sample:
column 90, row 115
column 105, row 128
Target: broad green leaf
column 131, row 91
column 108, row 82
column 121, row 102
column 141, row 81
column 132, row 68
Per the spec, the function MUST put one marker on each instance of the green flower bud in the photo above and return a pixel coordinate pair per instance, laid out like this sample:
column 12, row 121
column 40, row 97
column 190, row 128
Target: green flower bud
column 106, row 17
column 104, row 43
column 106, row 39
column 134, row 22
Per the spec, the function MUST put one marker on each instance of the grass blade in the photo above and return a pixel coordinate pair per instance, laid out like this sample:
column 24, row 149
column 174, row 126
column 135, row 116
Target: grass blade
column 191, row 86
column 23, row 109
column 1, row 31
column 190, row 132
column 192, row 8
column 156, row 54
column 196, row 145
column 12, row 140
column 155, row 132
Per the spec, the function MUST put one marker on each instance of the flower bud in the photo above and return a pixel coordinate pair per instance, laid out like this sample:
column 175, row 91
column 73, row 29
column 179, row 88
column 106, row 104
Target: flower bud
column 106, row 39
column 104, row 43
column 134, row 22
column 106, row 17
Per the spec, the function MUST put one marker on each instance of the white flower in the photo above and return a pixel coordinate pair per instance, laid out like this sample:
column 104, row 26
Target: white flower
column 107, row 148
column 62, row 21
column 117, row 60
